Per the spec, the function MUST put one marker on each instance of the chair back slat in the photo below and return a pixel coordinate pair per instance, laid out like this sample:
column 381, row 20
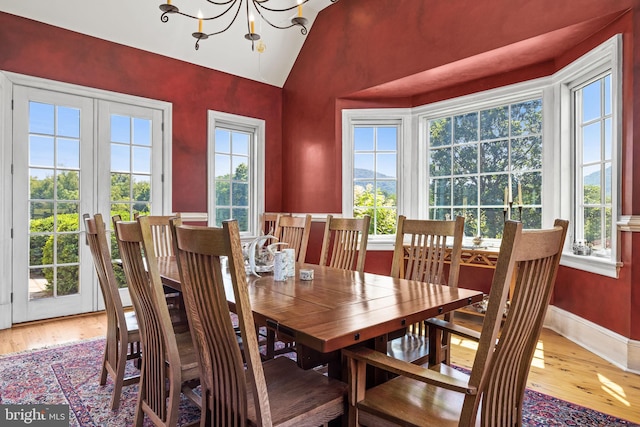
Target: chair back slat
column 160, row 387
column 199, row 250
column 349, row 237
column 295, row 231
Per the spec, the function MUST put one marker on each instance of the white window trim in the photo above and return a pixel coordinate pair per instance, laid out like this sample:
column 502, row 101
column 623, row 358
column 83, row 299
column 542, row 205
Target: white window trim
column 607, row 56
column 554, row 90
column 405, row 162
column 257, row 153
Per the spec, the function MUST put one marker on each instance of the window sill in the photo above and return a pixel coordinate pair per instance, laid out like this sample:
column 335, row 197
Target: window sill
column 591, row 264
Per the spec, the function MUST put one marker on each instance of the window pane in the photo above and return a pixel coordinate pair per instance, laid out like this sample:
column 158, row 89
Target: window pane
column 591, row 101
column 440, row 162
column 120, row 160
column 41, row 118
column 526, row 153
column 242, row 215
column 223, row 166
column 494, row 123
column 491, row 223
column 223, row 141
column 465, row 159
column 68, row 185
column 363, row 139
column 592, row 225
column 526, row 117
column 386, row 165
column 465, row 128
column 240, row 194
column 68, row 153
column 591, row 185
column 223, row 193
column 68, row 248
column 364, row 166
column 41, row 150
column 40, row 184
column 120, row 129
column 68, row 122
column 492, row 189
column 142, row 131
column 141, row 188
column 240, row 169
column 221, row 215
column 387, row 139
column 141, row 160
column 440, row 192
column 591, row 140
column 240, row 143
column 494, row 156
column 465, row 191
column 440, row 132
column 67, row 282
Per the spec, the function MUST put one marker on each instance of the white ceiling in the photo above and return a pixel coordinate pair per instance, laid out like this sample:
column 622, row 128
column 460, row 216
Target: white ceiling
column 136, row 23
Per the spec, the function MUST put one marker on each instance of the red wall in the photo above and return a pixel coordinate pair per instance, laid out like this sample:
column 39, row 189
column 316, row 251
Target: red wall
column 40, row 50
column 398, row 53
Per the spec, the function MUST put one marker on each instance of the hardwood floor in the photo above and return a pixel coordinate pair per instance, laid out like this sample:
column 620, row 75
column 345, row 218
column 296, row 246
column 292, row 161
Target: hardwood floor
column 560, row 368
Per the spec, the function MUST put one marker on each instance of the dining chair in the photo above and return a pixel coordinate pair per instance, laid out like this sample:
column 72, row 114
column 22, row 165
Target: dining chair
column 491, row 394
column 161, row 233
column 294, row 231
column 274, row 393
column 269, row 220
column 123, row 335
column 349, row 239
column 169, row 363
column 163, row 246
column 420, row 251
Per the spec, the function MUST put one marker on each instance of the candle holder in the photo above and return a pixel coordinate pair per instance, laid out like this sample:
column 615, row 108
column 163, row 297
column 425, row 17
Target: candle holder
column 520, row 212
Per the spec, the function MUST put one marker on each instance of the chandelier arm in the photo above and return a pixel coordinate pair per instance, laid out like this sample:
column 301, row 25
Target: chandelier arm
column 230, row 23
column 261, row 4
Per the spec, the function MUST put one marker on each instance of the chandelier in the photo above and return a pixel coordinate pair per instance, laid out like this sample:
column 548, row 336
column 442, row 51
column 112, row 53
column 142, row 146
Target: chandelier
column 228, row 11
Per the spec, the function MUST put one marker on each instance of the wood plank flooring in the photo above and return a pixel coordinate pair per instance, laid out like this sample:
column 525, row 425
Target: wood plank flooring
column 560, row 368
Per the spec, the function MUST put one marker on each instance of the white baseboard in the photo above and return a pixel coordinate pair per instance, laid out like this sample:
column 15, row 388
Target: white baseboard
column 614, row 348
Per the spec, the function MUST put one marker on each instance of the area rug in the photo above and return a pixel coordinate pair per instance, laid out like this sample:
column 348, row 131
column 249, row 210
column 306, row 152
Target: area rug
column 69, row 374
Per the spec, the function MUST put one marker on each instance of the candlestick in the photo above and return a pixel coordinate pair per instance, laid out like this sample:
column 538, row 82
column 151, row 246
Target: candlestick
column 520, row 194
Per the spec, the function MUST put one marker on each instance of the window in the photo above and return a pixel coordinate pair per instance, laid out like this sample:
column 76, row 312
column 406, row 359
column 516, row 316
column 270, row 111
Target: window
column 533, row 151
column 375, row 178
column 593, row 136
column 589, row 132
column 486, row 165
column 236, row 171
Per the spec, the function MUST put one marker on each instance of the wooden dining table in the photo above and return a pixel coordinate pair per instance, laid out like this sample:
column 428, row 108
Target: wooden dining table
column 338, row 308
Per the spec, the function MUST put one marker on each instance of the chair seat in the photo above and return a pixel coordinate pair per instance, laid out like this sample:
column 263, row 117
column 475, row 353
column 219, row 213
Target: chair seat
column 299, row 397
column 415, row 402
column 188, row 357
column 410, row 348
column 132, row 324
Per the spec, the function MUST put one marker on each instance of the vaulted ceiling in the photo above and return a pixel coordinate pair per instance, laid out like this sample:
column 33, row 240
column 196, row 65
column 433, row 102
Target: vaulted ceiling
column 137, row 24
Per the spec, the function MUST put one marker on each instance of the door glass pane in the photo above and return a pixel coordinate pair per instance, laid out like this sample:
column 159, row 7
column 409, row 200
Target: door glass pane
column 131, row 166
column 54, row 197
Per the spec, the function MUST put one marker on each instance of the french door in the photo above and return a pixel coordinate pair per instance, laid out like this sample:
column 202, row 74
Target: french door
column 72, row 155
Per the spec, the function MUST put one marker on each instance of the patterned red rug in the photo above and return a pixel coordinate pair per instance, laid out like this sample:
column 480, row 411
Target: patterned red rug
column 69, row 375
